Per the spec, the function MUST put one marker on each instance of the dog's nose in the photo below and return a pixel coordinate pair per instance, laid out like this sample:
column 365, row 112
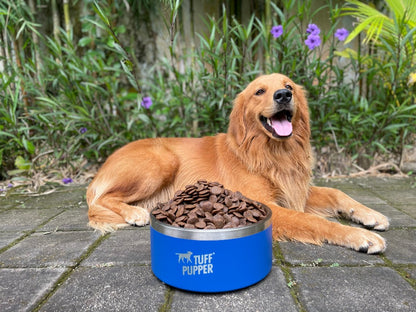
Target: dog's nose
column 282, row 96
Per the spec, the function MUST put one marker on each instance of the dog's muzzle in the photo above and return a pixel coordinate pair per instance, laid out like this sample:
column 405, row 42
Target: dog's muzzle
column 280, row 124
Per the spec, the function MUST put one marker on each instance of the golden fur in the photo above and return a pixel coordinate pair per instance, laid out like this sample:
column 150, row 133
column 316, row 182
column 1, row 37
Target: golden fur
column 273, row 170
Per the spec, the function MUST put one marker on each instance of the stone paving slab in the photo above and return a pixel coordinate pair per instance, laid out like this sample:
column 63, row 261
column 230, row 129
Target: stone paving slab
column 118, row 288
column 26, row 219
column 397, row 218
column 7, row 238
column 353, row 289
column 60, row 249
column 401, row 246
column 50, row 260
column 309, row 255
column 411, row 272
column 73, row 219
column 19, row 292
column 270, row 295
column 112, row 251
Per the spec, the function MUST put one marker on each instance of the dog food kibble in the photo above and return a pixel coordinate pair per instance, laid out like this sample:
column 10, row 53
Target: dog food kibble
column 209, row 206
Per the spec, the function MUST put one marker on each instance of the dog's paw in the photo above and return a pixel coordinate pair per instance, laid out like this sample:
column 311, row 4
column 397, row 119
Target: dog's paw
column 372, row 219
column 138, row 216
column 365, row 241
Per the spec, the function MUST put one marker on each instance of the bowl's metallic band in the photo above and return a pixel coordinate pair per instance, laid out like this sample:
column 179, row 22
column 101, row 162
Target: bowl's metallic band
column 210, row 235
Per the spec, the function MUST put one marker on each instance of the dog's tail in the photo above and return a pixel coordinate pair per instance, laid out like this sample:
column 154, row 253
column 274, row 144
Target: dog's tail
column 102, row 218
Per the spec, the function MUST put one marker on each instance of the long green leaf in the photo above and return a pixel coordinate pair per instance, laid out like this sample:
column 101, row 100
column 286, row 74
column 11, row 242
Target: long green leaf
column 103, row 17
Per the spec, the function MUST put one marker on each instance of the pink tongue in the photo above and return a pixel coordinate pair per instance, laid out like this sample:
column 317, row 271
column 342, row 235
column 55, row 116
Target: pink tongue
column 282, row 126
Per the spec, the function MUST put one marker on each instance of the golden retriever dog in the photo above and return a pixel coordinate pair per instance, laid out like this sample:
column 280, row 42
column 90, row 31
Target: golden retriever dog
column 265, row 154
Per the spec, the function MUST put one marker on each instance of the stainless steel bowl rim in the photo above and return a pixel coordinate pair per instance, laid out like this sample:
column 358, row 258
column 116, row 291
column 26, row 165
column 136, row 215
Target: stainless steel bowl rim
column 211, row 234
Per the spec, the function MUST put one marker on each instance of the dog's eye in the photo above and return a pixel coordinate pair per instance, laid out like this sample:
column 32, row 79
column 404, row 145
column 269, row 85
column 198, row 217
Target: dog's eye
column 289, row 87
column 260, row 91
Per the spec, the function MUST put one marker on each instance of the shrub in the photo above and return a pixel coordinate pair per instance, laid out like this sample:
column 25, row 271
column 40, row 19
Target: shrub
column 80, row 98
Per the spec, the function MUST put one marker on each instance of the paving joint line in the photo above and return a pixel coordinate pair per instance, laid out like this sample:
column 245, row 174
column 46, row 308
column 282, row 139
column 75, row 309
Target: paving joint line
column 65, row 275
column 387, row 200
column 167, row 305
column 28, row 233
column 288, row 275
column 399, row 268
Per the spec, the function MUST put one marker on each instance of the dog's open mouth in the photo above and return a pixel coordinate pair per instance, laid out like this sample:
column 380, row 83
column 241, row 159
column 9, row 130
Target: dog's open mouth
column 279, row 125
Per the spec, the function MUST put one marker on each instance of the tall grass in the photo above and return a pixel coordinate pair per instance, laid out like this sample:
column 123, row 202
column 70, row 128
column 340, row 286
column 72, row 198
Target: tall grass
column 85, row 100
column 359, row 115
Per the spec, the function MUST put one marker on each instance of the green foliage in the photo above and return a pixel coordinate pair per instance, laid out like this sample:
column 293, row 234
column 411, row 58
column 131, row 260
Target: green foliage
column 231, row 54
column 388, row 72
column 198, row 100
column 380, row 25
column 84, row 100
column 76, row 105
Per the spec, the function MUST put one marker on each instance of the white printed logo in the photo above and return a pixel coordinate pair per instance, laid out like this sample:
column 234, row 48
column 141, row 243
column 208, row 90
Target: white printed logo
column 196, row 264
column 184, row 256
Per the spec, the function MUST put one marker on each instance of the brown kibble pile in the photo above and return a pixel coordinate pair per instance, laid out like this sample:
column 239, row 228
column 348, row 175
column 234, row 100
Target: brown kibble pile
column 209, row 206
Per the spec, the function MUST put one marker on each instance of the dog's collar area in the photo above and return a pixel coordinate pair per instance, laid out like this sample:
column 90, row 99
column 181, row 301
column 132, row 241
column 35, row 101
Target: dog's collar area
column 279, row 125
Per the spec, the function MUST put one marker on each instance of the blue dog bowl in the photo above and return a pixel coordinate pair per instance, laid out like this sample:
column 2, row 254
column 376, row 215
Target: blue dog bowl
column 211, row 260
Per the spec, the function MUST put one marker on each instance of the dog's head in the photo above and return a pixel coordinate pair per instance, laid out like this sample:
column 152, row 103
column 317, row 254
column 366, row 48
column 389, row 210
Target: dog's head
column 272, row 106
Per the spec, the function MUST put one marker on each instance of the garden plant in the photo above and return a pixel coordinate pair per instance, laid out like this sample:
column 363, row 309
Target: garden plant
column 69, row 101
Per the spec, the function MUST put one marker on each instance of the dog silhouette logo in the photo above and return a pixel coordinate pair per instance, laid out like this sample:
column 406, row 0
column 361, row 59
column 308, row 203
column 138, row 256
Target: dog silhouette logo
column 184, row 256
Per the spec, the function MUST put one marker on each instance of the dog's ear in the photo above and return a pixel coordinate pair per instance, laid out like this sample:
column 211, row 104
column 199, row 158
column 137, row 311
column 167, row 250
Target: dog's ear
column 301, row 95
column 237, row 127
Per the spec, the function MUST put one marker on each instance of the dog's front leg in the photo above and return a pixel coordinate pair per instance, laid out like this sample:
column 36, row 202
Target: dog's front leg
column 332, row 202
column 308, row 228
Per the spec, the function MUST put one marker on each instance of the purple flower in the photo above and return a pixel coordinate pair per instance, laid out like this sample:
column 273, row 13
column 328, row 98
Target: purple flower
column 313, row 41
column 147, row 102
column 341, row 34
column 67, row 180
column 82, row 130
column 9, row 185
column 313, row 29
column 277, row 31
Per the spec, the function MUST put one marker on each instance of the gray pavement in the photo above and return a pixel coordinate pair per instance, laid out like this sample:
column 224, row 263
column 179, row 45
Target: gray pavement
column 51, row 261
